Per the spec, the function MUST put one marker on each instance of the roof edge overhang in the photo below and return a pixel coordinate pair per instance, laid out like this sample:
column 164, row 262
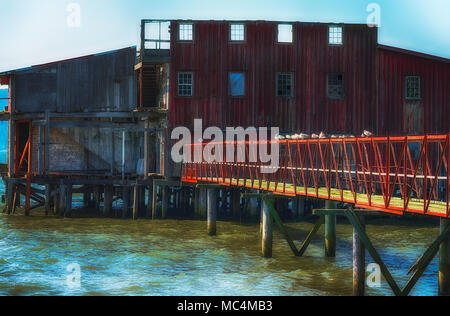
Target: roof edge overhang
column 413, row 53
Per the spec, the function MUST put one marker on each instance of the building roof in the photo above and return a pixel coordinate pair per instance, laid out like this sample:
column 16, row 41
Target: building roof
column 413, row 53
column 10, row 72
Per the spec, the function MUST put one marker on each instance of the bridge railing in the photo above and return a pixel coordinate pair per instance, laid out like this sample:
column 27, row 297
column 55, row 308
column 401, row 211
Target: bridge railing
column 391, row 174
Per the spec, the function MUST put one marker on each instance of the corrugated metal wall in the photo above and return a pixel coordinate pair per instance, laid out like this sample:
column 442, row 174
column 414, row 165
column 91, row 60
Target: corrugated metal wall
column 104, row 82
column 211, row 57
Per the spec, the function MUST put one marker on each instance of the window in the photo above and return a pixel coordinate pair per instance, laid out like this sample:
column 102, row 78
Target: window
column 284, row 85
column 412, row 88
column 237, row 84
column 186, row 32
column 237, row 32
column 285, row 33
column 185, row 84
column 335, row 86
column 335, row 35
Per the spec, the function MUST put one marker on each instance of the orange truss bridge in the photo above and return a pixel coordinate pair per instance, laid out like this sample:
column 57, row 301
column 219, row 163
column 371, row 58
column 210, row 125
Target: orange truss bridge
column 389, row 174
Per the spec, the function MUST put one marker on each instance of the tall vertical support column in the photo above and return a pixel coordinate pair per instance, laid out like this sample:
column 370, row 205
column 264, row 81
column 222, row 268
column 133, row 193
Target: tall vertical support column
column 155, row 201
column 165, row 201
column 330, row 231
column 213, row 194
column 267, row 232
column 359, row 262
column 68, row 201
column 47, row 198
column 236, row 203
column 126, row 201
column 109, row 192
column 444, row 262
column 201, row 203
column 136, row 202
column 62, row 199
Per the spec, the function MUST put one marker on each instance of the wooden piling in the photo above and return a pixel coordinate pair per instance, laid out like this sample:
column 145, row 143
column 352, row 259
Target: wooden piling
column 330, row 231
column 212, row 211
column 109, row 192
column 149, row 201
column 126, row 201
column 136, row 202
column 267, row 232
column 47, row 199
column 62, row 199
column 10, row 197
column 68, row 201
column 359, row 262
column 236, row 203
column 155, row 201
column 165, row 201
column 202, row 203
column 444, row 262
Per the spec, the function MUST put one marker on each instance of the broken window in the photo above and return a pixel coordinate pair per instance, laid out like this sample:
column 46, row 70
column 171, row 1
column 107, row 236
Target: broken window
column 186, row 32
column 412, row 88
column 335, row 36
column 285, row 34
column 237, row 84
column 284, row 85
column 335, row 86
column 237, row 32
column 185, row 84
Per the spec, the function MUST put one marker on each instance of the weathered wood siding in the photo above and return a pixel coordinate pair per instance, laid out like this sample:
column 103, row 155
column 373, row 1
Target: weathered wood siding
column 103, row 82
column 89, row 149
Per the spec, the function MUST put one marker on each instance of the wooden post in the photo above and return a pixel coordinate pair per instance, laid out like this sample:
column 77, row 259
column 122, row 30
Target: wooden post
column 126, row 201
column 10, row 198
column 136, row 202
column 56, row 203
column 444, row 262
column 48, row 191
column 109, row 192
column 97, row 198
column 149, row 201
column 202, row 203
column 330, row 231
column 27, row 196
column 267, row 232
column 236, row 203
column 62, row 198
column 68, row 201
column 212, row 211
column 359, row 262
column 254, row 211
column 165, row 201
column 155, row 201
column 301, row 203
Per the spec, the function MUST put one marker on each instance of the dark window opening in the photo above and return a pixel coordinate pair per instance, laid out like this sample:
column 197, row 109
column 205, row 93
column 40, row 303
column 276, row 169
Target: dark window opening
column 335, row 86
column 284, row 85
column 185, row 84
column 413, row 88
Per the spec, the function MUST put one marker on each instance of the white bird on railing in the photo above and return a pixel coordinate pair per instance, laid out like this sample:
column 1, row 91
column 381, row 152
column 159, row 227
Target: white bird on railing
column 280, row 137
column 304, row 136
column 315, row 136
column 367, row 134
column 323, row 135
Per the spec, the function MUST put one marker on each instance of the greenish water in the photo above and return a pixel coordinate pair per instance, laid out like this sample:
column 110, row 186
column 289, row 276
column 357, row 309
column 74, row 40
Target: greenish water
column 122, row 257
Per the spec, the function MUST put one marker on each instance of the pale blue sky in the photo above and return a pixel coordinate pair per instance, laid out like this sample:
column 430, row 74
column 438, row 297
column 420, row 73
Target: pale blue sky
column 36, row 31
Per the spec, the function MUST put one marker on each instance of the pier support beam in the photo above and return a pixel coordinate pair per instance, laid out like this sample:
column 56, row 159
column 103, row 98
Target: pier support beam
column 136, row 202
column 359, row 262
column 267, row 232
column 213, row 194
column 330, row 231
column 109, row 192
column 236, row 203
column 165, row 201
column 126, row 201
column 68, row 201
column 47, row 198
column 201, row 203
column 444, row 262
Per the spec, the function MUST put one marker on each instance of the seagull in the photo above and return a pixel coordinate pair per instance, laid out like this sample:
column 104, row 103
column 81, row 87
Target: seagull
column 288, row 136
column 315, row 136
column 323, row 135
column 279, row 137
column 367, row 134
column 304, row 136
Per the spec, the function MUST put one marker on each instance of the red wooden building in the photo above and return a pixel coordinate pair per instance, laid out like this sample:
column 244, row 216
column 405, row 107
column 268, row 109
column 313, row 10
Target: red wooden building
column 301, row 77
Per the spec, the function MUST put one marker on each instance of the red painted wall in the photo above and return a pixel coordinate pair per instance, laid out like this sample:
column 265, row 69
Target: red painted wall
column 370, row 103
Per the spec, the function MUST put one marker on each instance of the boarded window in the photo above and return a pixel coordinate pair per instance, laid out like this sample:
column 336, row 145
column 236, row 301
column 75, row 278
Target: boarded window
column 237, row 32
column 237, row 84
column 284, row 85
column 335, row 86
column 285, row 33
column 413, row 88
column 335, row 36
column 186, row 32
column 185, row 84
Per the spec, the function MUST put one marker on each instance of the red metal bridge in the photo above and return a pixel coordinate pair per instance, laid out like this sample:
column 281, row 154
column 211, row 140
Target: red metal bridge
column 389, row 174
